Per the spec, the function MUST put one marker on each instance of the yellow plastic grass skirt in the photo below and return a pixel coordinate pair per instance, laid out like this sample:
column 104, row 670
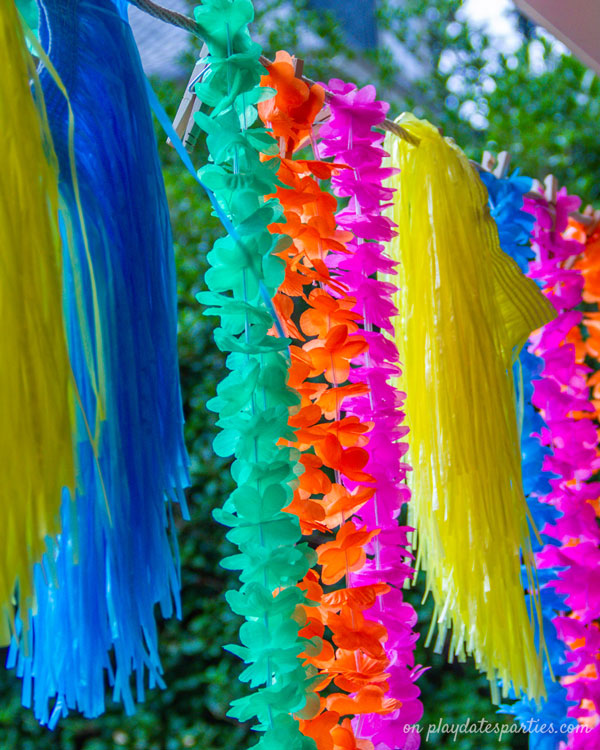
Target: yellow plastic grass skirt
column 36, row 452
column 465, row 310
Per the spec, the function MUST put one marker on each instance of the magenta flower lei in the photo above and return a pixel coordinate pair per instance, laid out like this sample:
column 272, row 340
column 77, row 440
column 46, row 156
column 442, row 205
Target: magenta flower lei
column 561, row 392
column 349, row 138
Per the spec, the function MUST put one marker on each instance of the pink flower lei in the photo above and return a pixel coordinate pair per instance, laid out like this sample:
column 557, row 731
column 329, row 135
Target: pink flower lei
column 349, row 138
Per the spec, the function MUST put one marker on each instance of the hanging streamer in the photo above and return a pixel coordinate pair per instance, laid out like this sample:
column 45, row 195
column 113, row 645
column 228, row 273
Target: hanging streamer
column 318, row 314
column 515, row 226
column 115, row 558
column 36, row 437
column 563, row 397
column 464, row 313
column 253, row 402
column 348, row 137
column 585, row 688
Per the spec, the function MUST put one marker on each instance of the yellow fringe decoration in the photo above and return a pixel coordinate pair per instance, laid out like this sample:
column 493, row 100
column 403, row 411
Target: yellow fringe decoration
column 464, row 312
column 36, row 414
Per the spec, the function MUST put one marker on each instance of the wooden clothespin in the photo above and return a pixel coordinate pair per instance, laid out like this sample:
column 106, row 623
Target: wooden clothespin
column 184, row 123
column 488, row 161
column 551, row 188
column 502, row 165
column 298, row 66
column 590, row 219
column 498, row 167
column 323, row 115
column 537, row 190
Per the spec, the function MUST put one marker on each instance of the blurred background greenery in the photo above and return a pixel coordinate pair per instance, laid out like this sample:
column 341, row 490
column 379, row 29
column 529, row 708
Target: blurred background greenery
column 535, row 101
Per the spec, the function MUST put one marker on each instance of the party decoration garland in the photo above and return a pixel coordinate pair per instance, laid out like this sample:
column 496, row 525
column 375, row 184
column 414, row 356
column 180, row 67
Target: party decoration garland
column 253, row 401
column 464, row 313
column 589, row 264
column 332, row 443
column 515, row 226
column 308, row 411
column 585, row 688
column 563, row 397
column 115, row 558
column 348, row 137
column 36, row 436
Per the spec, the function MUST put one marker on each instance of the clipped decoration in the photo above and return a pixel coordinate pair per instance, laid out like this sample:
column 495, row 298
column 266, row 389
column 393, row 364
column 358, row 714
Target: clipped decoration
column 36, row 433
column 349, row 138
column 115, row 558
column 382, row 408
column 254, row 401
column 584, row 690
column 562, row 394
column 328, row 368
column 465, row 311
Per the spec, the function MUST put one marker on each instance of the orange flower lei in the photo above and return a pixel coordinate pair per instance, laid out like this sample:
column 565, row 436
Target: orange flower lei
column 326, row 342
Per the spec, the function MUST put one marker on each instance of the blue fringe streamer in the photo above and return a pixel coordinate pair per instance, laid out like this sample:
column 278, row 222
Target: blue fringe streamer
column 515, row 227
column 117, row 554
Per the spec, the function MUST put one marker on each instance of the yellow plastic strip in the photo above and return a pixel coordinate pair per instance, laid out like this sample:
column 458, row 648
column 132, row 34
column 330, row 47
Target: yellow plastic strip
column 465, row 310
column 36, row 450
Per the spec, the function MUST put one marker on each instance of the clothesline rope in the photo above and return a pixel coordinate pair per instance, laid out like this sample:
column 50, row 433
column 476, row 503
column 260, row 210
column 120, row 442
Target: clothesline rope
column 188, row 24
